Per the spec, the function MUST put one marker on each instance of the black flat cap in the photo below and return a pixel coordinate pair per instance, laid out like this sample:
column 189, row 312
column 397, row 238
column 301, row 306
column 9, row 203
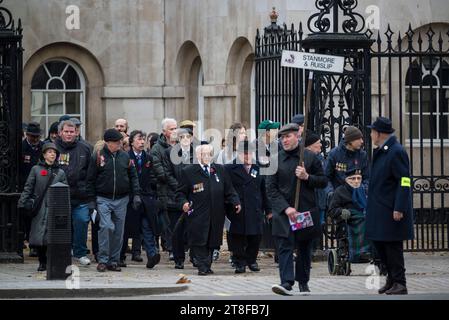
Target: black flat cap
column 112, row 135
column 291, row 127
column 298, row 119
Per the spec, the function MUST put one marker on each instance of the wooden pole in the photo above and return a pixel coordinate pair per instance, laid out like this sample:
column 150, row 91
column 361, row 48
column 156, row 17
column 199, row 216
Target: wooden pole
column 304, row 134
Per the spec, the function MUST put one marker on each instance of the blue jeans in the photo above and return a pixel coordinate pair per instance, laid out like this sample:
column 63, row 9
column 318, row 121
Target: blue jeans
column 301, row 271
column 80, row 225
column 112, row 225
column 149, row 240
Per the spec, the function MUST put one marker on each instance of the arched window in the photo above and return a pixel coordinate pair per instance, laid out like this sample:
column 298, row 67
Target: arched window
column 427, row 98
column 57, row 88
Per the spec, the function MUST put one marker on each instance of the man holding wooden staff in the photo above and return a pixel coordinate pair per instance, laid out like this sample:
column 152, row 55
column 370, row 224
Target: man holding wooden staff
column 291, row 204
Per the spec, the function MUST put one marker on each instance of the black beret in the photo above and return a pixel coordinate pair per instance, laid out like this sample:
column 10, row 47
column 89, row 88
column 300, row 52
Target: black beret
column 112, row 135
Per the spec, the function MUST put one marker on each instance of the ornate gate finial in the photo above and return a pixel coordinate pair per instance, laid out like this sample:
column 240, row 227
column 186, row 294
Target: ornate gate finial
column 320, row 23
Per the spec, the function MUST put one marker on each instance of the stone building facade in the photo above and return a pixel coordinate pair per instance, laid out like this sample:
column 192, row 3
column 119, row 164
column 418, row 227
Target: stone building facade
column 144, row 60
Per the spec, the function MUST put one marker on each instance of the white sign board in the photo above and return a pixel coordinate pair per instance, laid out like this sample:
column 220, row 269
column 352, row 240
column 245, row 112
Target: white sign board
column 312, row 61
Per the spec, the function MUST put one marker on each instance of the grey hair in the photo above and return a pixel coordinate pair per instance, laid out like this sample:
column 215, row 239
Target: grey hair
column 67, row 123
column 166, row 121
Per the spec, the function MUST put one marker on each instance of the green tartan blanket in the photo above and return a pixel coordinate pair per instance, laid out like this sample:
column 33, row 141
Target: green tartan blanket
column 358, row 245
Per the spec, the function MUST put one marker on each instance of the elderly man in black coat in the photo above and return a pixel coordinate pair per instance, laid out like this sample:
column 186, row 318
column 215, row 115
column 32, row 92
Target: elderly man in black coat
column 247, row 226
column 389, row 214
column 203, row 191
column 281, row 191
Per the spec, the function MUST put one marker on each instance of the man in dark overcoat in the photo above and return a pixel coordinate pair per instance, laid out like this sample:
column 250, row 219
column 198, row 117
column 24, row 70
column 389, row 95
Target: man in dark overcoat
column 177, row 158
column 281, row 191
column 246, row 228
column 389, row 216
column 203, row 191
column 142, row 224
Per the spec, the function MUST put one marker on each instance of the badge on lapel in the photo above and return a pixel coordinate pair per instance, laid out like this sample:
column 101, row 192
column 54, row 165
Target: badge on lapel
column 254, row 173
column 27, row 159
column 213, row 172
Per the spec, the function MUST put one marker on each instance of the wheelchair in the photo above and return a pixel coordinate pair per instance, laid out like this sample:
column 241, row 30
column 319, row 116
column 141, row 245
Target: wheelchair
column 338, row 258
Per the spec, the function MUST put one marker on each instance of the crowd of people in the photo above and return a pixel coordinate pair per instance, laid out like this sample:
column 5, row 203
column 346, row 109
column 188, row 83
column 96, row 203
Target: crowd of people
column 173, row 192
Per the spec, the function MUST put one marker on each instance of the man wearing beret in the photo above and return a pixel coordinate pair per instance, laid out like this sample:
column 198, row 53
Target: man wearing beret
column 267, row 141
column 245, row 232
column 111, row 178
column 389, row 213
column 348, row 154
column 281, row 191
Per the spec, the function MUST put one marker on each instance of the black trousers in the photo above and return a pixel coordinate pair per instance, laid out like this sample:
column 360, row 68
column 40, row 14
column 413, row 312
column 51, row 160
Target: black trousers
column 178, row 239
column 42, row 254
column 203, row 257
column 245, row 248
column 136, row 247
column 95, row 227
column 392, row 256
column 298, row 270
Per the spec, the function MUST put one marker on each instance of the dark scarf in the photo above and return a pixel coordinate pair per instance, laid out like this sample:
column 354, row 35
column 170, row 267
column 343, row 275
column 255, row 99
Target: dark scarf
column 359, row 197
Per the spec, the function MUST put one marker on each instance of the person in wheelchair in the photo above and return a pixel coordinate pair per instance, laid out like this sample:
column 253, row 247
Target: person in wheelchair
column 347, row 208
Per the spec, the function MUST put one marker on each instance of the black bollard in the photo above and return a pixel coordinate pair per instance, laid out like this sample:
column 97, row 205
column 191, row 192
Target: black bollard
column 59, row 232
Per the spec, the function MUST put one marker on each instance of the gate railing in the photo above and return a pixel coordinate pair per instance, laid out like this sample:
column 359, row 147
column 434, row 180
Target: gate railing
column 409, row 82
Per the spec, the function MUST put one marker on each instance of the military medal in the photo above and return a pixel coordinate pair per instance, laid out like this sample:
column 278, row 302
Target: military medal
column 254, row 173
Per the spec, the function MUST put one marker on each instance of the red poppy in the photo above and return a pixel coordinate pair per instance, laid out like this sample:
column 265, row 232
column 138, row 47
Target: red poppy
column 44, row 173
column 212, row 170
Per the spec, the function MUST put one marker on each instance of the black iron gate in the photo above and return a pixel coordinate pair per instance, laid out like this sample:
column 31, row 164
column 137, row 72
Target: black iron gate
column 11, row 235
column 404, row 78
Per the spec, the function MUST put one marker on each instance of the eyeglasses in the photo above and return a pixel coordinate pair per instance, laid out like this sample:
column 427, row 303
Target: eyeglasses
column 355, row 178
column 185, row 137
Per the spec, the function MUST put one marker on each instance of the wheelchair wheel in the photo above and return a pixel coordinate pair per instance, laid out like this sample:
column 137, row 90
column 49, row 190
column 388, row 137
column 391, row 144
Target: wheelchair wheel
column 332, row 262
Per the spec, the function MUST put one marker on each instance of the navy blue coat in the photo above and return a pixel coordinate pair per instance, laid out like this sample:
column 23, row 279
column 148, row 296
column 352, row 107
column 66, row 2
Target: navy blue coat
column 253, row 198
column 341, row 159
column 389, row 191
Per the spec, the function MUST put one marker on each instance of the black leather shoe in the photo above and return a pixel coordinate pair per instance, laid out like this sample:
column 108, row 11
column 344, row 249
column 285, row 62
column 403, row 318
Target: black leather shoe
column 154, row 260
column 137, row 258
column 240, row 270
column 122, row 264
column 304, row 289
column 202, row 273
column 254, row 267
column 397, row 289
column 42, row 267
column 179, row 265
column 210, row 271
column 114, row 267
column 386, row 287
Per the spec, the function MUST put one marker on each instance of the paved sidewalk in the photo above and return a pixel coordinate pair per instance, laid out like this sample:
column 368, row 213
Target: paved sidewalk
column 427, row 274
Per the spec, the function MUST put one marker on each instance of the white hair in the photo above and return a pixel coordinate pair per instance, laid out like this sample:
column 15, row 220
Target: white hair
column 167, row 121
column 200, row 148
